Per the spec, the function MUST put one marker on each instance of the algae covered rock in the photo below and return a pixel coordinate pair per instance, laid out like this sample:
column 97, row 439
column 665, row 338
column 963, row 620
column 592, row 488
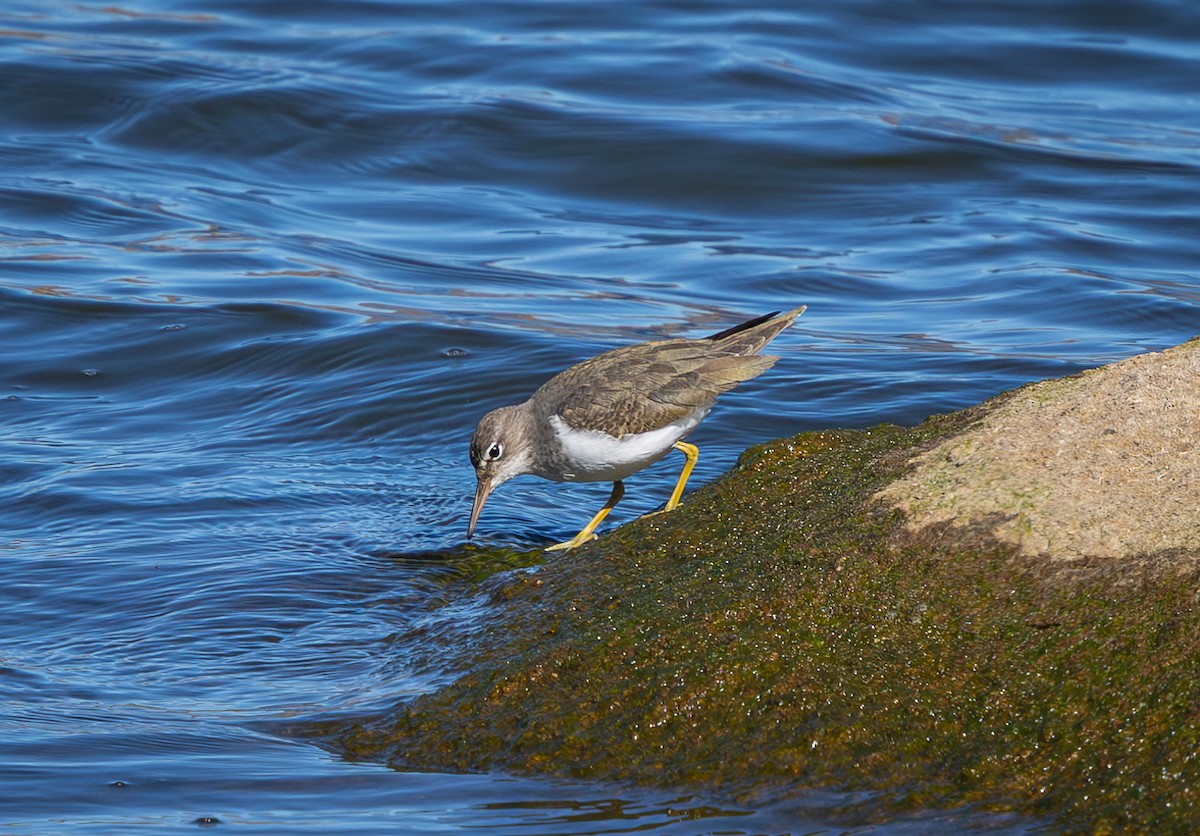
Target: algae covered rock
column 792, row 627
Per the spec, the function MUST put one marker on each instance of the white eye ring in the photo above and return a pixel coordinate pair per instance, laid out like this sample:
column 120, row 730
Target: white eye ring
column 495, row 451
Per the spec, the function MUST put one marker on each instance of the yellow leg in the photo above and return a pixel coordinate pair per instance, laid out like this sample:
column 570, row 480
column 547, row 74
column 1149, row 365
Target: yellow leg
column 587, row 534
column 693, row 453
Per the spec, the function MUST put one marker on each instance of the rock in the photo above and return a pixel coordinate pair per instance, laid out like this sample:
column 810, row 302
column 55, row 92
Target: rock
column 785, row 629
column 1102, row 464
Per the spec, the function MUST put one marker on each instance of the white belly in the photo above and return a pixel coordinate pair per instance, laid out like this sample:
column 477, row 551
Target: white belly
column 599, row 457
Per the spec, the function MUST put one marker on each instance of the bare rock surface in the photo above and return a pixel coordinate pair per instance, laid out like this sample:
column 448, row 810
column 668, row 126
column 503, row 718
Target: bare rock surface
column 1101, row 464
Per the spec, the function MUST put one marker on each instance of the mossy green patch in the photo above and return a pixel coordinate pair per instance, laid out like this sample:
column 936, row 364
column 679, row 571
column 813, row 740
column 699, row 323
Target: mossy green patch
column 780, row 630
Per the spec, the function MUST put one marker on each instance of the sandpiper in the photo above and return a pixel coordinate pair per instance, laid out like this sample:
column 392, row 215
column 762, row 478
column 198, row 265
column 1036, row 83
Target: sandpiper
column 608, row 417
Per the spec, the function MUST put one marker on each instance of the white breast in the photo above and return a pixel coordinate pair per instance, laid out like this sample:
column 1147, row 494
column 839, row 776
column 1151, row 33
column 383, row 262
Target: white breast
column 599, row 457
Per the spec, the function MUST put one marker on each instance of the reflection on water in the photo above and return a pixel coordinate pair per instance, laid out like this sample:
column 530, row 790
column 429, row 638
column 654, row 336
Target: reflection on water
column 263, row 266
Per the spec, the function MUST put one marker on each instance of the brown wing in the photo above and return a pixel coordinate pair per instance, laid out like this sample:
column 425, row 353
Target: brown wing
column 643, row 387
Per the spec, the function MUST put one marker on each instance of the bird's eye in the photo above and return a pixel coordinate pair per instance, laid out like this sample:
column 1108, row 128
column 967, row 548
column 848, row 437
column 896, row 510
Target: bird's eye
column 495, row 451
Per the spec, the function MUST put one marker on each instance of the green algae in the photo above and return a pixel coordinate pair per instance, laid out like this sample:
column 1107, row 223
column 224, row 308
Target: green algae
column 472, row 564
column 780, row 631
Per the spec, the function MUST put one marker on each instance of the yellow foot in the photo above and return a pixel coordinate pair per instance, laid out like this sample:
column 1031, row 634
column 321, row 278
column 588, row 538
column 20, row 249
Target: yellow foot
column 586, row 535
column 578, row 540
column 659, row 511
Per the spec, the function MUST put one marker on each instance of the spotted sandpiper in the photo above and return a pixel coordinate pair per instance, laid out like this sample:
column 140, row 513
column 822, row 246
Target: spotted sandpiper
column 608, row 417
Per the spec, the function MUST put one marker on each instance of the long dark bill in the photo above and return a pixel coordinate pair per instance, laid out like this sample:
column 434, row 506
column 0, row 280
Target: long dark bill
column 482, row 489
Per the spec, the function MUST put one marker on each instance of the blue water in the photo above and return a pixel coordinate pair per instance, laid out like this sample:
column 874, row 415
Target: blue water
column 264, row 264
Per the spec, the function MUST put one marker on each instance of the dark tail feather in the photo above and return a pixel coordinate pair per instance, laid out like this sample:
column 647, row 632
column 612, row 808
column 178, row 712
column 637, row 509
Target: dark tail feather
column 750, row 337
column 737, row 329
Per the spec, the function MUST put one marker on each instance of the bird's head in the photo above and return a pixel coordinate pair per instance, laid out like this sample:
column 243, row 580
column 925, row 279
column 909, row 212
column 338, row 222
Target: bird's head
column 500, row 450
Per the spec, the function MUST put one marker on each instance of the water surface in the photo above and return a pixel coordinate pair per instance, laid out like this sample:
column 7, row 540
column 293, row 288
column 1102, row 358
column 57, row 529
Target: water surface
column 263, row 265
